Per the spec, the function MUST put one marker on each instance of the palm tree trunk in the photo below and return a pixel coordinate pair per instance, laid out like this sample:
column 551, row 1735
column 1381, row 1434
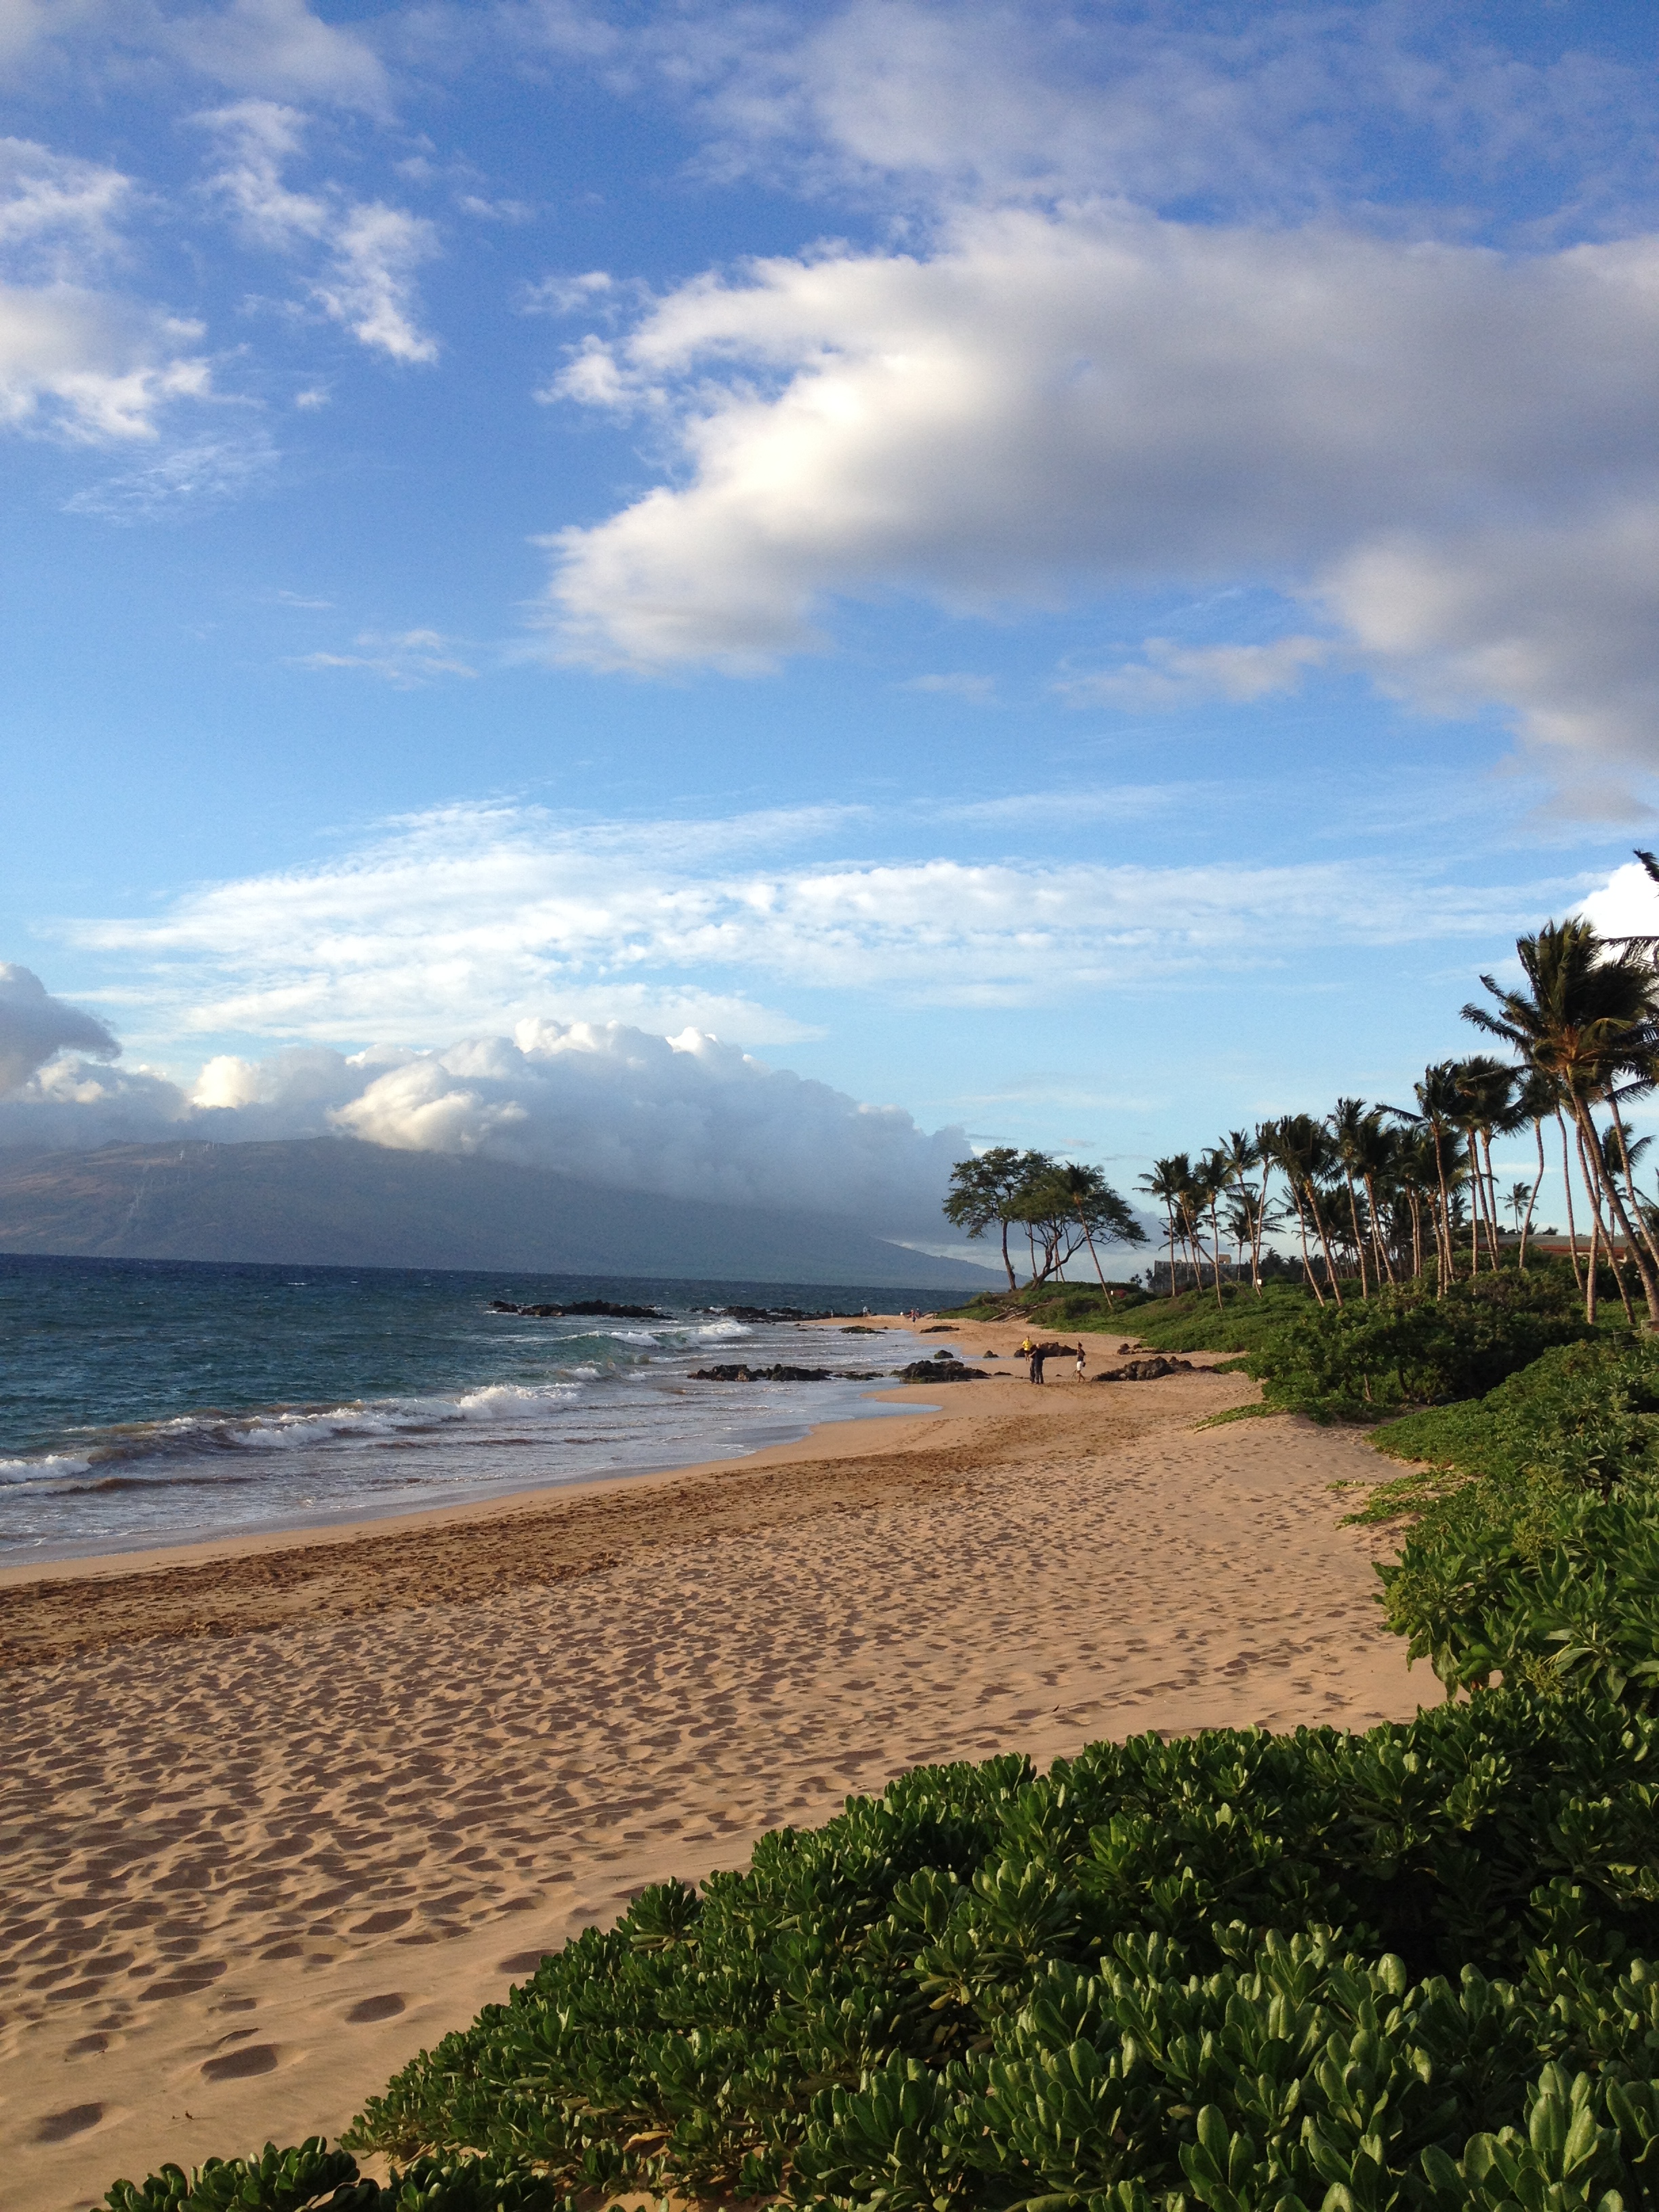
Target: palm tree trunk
column 1598, row 1235
column 1301, row 1226
column 1637, row 1214
column 1494, row 1227
column 1567, row 1177
column 1358, row 1247
column 1094, row 1255
column 1538, row 1132
column 1416, row 1205
column 1258, row 1228
column 1325, row 1243
column 1447, row 1268
column 1379, row 1243
column 1616, row 1207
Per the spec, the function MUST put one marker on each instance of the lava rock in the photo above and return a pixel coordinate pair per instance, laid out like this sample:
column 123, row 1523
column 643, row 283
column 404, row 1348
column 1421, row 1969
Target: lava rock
column 1145, row 1370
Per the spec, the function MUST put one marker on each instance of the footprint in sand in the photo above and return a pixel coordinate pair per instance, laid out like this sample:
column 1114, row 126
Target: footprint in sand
column 237, row 2065
column 384, row 2008
column 58, row 2127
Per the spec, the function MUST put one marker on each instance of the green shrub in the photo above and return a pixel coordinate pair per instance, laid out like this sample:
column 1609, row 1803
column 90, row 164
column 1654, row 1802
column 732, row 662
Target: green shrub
column 992, row 1990
column 1241, row 1321
column 1405, row 1346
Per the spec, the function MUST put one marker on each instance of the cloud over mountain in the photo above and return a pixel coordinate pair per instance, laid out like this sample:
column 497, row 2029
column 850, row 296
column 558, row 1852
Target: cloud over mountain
column 686, row 1117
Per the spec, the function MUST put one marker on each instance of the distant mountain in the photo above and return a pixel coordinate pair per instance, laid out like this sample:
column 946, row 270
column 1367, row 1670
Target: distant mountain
column 327, row 1201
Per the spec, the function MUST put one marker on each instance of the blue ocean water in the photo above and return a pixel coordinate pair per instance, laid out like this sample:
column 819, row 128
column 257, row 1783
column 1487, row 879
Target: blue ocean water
column 147, row 1402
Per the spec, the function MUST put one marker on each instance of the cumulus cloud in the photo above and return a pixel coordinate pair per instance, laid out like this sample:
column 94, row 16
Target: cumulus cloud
column 489, row 915
column 1410, row 437
column 367, row 252
column 76, row 358
column 278, row 49
column 34, row 1028
column 687, row 1116
column 1626, row 905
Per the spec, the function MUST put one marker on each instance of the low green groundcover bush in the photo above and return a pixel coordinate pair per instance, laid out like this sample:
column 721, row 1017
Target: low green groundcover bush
column 1404, row 1346
column 1535, row 1551
column 1240, row 1970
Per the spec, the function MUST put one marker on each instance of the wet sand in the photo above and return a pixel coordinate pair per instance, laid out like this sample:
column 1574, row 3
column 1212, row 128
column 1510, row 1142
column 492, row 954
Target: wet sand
column 278, row 1812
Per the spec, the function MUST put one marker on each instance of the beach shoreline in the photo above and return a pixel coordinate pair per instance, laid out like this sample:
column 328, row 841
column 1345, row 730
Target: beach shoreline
column 282, row 1812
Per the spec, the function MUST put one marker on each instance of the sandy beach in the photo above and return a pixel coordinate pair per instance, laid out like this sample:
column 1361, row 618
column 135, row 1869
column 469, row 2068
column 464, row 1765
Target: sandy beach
column 277, row 1812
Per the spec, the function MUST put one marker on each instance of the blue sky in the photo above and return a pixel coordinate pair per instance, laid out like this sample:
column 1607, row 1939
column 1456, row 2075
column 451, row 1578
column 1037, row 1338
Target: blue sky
column 1076, row 573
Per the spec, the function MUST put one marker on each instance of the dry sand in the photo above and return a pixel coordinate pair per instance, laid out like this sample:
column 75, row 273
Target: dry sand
column 277, row 1814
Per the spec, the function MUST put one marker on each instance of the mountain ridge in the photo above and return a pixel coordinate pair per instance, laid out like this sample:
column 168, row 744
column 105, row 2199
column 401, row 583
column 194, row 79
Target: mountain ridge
column 336, row 1201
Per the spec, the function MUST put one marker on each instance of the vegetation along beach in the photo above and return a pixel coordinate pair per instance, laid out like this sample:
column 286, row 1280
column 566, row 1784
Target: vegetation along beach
column 1018, row 1795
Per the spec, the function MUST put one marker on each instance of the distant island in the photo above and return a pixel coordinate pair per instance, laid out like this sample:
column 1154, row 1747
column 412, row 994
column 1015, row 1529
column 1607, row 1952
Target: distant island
column 331, row 1201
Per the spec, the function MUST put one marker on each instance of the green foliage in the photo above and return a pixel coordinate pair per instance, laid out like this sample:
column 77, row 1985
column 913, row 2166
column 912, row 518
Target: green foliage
column 1406, row 1347
column 1535, row 1548
column 1242, row 1969
column 1067, row 1308
column 1241, row 1322
column 311, row 2178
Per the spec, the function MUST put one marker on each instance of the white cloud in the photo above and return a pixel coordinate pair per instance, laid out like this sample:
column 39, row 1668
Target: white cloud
column 76, row 360
column 90, row 366
column 1088, row 399
column 201, row 472
column 688, row 1116
column 1626, row 905
column 34, row 1028
column 483, row 917
column 279, row 49
column 59, row 215
column 1170, row 676
column 406, row 659
column 366, row 280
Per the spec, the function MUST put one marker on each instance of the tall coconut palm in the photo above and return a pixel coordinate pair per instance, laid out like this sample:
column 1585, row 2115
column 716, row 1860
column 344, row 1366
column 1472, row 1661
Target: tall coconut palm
column 1376, row 1149
column 1487, row 1089
column 1439, row 1111
column 1167, row 1180
column 1240, row 1155
column 1585, row 1017
column 1305, row 1152
column 1535, row 1101
column 1346, row 1125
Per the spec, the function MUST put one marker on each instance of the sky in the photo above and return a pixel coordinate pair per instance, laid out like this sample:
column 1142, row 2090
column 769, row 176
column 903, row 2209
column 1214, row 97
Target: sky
column 748, row 596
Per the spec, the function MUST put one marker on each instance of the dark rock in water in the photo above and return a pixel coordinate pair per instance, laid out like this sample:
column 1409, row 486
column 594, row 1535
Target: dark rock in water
column 781, row 1374
column 1145, row 1370
column 858, row 1328
column 776, row 1312
column 604, row 1306
column 584, row 1307
column 939, row 1328
column 943, row 1367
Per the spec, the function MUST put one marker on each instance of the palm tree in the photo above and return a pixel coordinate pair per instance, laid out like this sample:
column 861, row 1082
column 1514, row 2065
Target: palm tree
column 1586, row 1019
column 1303, row 1151
column 1346, row 1125
column 1165, row 1184
column 1097, row 1204
column 1240, row 1155
column 1519, row 1202
column 1376, row 1151
column 1487, row 1089
column 1539, row 1098
column 1439, row 1110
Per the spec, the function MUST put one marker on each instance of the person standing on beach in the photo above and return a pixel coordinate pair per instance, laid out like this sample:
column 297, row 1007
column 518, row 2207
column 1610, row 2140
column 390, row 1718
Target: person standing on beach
column 1079, row 1359
column 1038, row 1355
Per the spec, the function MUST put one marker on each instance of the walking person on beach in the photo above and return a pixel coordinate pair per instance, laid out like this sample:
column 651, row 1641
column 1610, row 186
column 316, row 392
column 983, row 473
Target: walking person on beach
column 1038, row 1355
column 1079, row 1359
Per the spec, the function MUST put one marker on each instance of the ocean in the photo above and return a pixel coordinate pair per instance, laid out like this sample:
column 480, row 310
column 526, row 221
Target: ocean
column 152, row 1402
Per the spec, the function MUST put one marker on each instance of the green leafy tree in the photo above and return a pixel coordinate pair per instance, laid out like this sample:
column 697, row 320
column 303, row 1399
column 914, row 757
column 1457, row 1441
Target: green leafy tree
column 985, row 1190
